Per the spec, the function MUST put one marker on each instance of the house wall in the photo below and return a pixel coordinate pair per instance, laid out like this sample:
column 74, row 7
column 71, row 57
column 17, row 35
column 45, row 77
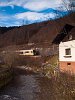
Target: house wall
column 66, row 45
column 64, row 67
column 67, row 62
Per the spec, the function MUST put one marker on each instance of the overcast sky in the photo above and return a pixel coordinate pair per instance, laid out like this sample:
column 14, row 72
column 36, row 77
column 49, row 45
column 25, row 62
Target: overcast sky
column 19, row 12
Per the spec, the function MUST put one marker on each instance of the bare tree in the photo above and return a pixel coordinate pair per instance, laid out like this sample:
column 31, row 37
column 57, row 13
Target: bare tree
column 72, row 5
column 69, row 4
column 9, row 56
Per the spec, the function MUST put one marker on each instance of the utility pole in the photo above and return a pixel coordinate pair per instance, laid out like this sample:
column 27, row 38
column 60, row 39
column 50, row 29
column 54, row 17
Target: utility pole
column 23, row 22
column 26, row 22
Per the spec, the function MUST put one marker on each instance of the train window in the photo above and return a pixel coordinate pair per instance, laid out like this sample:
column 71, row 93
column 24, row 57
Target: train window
column 26, row 51
column 31, row 51
column 34, row 52
column 21, row 52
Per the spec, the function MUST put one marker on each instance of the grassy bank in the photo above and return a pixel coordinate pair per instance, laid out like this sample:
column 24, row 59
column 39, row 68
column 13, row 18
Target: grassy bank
column 5, row 76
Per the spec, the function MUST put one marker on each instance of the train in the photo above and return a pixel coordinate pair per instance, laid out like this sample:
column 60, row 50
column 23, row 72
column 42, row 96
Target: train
column 31, row 52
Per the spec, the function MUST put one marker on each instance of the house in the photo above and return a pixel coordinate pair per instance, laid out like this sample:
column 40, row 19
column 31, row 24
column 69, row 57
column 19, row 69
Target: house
column 66, row 41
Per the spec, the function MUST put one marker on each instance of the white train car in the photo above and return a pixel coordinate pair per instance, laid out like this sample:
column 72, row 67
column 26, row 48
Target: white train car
column 30, row 52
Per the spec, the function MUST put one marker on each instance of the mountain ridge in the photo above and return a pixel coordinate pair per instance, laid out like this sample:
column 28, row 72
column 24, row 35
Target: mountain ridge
column 37, row 33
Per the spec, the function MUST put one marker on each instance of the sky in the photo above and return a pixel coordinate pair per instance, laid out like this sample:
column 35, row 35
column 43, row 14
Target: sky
column 19, row 12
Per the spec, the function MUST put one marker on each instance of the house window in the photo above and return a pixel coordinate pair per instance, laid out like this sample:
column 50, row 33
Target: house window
column 68, row 51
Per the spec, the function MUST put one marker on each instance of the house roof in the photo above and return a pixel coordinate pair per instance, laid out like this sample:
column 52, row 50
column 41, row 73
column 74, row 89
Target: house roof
column 70, row 36
column 62, row 34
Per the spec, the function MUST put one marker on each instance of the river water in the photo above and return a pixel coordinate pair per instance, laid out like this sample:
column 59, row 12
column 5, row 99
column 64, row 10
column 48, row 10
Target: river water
column 28, row 87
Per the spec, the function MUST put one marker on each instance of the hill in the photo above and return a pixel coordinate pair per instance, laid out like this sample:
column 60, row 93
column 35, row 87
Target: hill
column 39, row 33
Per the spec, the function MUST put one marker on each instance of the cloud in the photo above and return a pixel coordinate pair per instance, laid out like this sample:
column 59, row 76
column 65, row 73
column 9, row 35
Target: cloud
column 35, row 5
column 9, row 21
column 34, row 16
column 38, row 5
column 13, row 2
column 30, row 10
column 28, row 17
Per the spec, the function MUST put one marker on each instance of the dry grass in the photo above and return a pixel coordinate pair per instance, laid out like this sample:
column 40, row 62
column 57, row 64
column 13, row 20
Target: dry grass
column 63, row 84
column 64, row 87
